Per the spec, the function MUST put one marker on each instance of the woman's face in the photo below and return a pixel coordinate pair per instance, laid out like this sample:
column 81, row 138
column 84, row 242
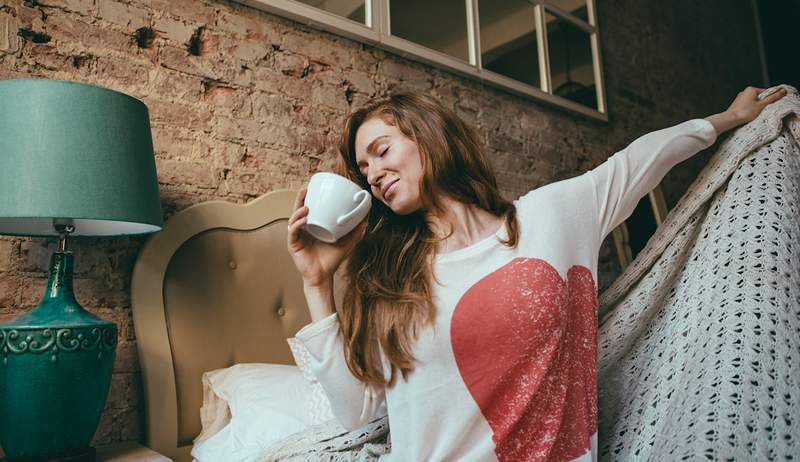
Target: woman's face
column 391, row 163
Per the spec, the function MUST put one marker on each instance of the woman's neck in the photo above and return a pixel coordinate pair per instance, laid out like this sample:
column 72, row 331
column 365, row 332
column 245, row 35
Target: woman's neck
column 470, row 224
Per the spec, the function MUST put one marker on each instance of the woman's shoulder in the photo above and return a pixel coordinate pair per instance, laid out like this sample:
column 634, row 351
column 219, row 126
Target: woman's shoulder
column 569, row 189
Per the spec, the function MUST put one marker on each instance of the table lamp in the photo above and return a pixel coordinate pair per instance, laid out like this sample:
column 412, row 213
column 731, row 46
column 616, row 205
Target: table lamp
column 75, row 160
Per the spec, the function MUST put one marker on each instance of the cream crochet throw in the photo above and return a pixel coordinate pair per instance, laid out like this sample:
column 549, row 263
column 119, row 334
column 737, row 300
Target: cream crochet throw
column 699, row 354
column 699, row 338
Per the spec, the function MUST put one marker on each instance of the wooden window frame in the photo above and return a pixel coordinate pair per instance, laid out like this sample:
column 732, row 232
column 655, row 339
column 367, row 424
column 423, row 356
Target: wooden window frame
column 376, row 32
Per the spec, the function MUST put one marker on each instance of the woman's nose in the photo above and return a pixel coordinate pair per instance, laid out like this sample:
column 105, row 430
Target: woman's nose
column 374, row 178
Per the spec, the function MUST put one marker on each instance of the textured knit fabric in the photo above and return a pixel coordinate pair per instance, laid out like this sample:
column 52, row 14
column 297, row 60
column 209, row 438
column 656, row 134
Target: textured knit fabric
column 700, row 336
column 508, row 371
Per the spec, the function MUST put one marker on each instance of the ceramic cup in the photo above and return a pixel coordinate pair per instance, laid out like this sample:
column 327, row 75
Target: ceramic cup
column 336, row 205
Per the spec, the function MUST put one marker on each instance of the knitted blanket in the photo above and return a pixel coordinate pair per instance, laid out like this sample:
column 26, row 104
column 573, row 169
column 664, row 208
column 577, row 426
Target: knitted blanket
column 699, row 338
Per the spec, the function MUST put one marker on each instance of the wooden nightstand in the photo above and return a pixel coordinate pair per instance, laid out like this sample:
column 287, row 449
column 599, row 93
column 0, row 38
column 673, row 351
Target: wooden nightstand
column 129, row 451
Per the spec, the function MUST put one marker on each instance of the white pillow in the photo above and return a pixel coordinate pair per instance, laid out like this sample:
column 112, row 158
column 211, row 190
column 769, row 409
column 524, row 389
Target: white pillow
column 319, row 408
column 248, row 407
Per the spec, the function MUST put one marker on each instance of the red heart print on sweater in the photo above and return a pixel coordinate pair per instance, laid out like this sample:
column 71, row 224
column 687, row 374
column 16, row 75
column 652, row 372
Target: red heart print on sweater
column 525, row 342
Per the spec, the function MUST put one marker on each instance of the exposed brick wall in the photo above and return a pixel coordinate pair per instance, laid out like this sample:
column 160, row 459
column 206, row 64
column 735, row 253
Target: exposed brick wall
column 243, row 102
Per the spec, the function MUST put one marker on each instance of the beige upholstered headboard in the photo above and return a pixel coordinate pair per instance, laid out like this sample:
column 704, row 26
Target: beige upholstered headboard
column 215, row 287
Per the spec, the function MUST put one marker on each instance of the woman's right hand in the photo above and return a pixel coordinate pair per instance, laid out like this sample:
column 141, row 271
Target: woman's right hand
column 317, row 261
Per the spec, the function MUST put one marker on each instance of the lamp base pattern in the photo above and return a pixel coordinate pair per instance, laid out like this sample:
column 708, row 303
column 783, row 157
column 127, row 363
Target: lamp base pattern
column 55, row 341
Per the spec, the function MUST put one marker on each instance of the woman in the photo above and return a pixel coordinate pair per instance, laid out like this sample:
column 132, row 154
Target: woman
column 468, row 319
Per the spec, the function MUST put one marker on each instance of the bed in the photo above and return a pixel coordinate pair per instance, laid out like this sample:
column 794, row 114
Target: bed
column 216, row 287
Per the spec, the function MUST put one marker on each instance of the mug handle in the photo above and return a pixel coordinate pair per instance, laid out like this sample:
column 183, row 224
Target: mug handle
column 364, row 203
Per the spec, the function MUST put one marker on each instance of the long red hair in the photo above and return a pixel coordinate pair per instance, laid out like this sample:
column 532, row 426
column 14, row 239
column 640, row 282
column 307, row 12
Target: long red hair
column 388, row 295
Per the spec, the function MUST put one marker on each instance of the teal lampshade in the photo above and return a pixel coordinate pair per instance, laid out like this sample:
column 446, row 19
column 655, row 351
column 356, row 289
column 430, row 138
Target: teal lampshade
column 74, row 150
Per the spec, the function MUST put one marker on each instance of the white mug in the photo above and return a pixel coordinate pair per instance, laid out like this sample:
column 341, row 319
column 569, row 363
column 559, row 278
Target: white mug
column 336, row 205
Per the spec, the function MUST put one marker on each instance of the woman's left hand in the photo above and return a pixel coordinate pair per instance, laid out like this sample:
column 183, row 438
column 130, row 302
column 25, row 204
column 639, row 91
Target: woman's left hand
column 743, row 109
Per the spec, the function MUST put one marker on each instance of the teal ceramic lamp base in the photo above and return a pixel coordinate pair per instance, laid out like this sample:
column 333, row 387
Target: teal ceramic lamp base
column 55, row 370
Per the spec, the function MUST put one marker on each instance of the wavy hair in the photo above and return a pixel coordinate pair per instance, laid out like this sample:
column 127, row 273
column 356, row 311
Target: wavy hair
column 388, row 295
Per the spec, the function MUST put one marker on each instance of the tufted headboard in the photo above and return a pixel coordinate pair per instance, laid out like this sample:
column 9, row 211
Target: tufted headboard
column 215, row 287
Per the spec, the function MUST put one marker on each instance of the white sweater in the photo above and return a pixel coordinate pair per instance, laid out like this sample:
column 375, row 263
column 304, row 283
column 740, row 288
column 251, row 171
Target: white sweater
column 508, row 370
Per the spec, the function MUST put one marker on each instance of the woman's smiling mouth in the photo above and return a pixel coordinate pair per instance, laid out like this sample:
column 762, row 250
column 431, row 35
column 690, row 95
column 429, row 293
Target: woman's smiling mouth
column 390, row 189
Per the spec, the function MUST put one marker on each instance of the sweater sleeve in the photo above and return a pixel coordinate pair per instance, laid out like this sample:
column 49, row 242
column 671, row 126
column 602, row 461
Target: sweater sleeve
column 353, row 402
column 627, row 176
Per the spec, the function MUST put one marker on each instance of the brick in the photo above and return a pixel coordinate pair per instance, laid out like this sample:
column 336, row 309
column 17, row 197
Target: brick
column 260, row 160
column 318, row 48
column 249, row 51
column 193, row 174
column 366, row 59
column 83, row 37
column 178, row 59
column 129, row 16
column 176, row 144
column 330, row 96
column 270, row 81
column 8, row 289
column 127, row 330
column 294, row 87
column 179, row 115
column 357, row 100
column 258, row 27
column 314, row 115
column 117, row 391
column 35, row 255
column 9, row 40
column 6, row 316
column 127, row 359
column 168, row 85
column 276, row 135
column 7, row 74
column 118, row 73
column 30, row 18
column 291, row 64
column 360, row 82
column 228, row 153
column 99, row 291
column 196, row 11
column 313, row 142
column 91, row 256
column 131, row 423
column 411, row 75
column 82, row 7
column 174, row 30
column 231, row 129
column 272, row 108
column 107, row 432
column 243, row 182
column 8, row 250
column 31, row 292
column 467, row 114
column 229, row 101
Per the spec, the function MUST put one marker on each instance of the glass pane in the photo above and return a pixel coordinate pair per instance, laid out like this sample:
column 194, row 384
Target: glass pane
column 350, row 9
column 508, row 39
column 570, row 53
column 440, row 25
column 575, row 7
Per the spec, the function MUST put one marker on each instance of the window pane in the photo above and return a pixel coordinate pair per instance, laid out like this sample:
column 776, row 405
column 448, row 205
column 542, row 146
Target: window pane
column 570, row 53
column 350, row 9
column 508, row 39
column 575, row 7
column 440, row 25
